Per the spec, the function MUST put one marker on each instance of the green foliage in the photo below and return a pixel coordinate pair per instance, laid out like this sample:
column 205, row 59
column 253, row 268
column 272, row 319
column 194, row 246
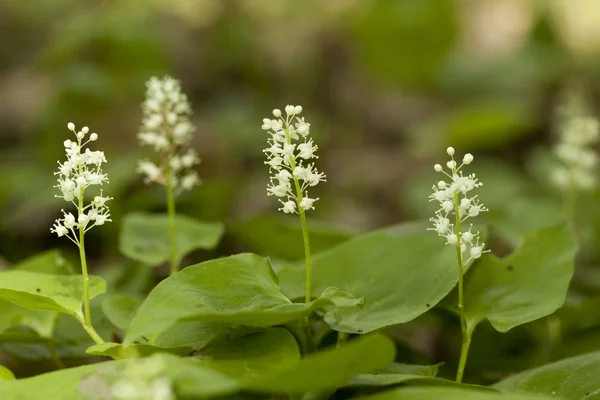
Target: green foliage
column 574, row 378
column 449, row 394
column 403, row 271
column 527, row 285
column 45, row 292
column 145, row 237
column 240, row 290
column 327, row 369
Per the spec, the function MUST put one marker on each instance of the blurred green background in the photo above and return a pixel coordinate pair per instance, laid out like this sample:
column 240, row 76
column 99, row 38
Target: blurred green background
column 386, row 85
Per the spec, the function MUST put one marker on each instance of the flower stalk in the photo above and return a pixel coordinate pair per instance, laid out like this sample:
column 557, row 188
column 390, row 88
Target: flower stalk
column 166, row 127
column 456, row 204
column 288, row 153
column 80, row 171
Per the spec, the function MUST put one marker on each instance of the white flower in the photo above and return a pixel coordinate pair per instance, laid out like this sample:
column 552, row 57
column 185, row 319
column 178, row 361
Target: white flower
column 289, row 207
column 80, row 171
column 307, row 203
column 288, row 149
column 456, row 202
column 167, row 129
column 578, row 160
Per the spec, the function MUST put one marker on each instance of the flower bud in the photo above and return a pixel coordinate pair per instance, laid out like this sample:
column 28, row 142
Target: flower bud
column 94, row 137
column 450, row 151
column 71, row 126
column 277, row 113
column 437, row 168
column 468, row 159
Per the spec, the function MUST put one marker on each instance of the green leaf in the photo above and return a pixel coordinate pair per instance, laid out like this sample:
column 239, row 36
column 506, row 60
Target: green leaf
column 253, row 354
column 6, row 374
column 49, row 262
column 190, row 379
column 527, row 285
column 38, row 291
column 401, row 272
column 281, row 237
column 145, row 237
column 397, row 373
column 42, row 322
column 328, row 369
column 120, row 308
column 572, row 378
column 413, row 393
column 237, row 290
column 118, row 350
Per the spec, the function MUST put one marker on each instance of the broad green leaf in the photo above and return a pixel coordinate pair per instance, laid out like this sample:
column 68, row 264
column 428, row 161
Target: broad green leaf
column 120, row 308
column 425, row 393
column 118, row 350
column 328, row 369
column 527, row 285
column 237, row 290
column 38, row 291
column 42, row 322
column 6, row 374
column 572, row 378
column 145, row 237
column 190, row 379
column 253, row 354
column 281, row 237
column 401, row 272
column 49, row 262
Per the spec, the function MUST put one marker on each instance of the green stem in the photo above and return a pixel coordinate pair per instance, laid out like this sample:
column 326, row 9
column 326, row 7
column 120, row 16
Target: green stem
column 87, row 314
column 54, row 355
column 308, row 296
column 174, row 262
column 464, row 353
column 299, row 197
column 341, row 338
column 91, row 331
column 466, row 336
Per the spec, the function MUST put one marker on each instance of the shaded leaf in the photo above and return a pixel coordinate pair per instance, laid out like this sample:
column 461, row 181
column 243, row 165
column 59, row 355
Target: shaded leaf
column 42, row 322
column 120, row 308
column 49, row 262
column 145, row 237
column 327, row 369
column 281, row 237
column 253, row 354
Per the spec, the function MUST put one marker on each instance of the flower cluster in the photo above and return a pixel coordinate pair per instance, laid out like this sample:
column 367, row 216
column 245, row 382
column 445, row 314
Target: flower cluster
column 456, row 205
column 81, row 170
column 288, row 157
column 167, row 129
column 578, row 160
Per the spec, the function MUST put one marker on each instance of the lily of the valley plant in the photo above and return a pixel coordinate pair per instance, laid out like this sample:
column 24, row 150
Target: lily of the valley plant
column 456, row 207
column 289, row 158
column 166, row 127
column 80, row 171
